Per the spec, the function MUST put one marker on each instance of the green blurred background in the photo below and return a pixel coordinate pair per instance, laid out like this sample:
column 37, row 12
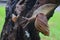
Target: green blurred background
column 54, row 25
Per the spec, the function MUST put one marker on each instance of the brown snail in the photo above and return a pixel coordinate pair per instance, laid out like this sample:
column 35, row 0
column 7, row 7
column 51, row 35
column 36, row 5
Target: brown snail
column 41, row 23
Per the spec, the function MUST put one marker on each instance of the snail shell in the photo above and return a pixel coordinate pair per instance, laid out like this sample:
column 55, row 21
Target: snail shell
column 41, row 24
